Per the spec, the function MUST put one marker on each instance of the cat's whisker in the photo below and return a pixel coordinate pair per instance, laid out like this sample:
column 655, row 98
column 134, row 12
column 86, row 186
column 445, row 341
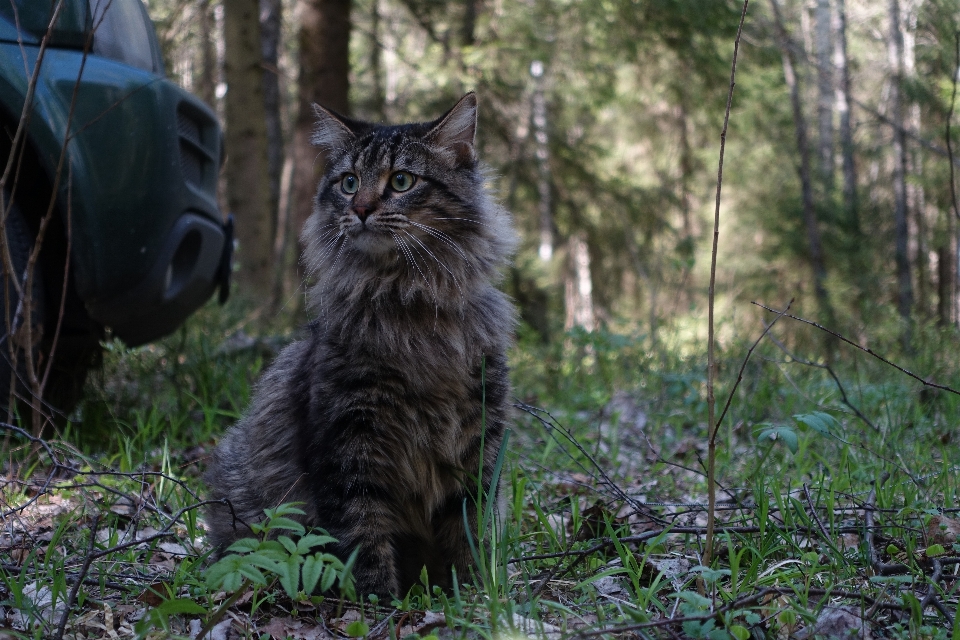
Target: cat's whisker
column 440, row 235
column 437, row 260
column 325, row 249
column 337, row 258
column 434, row 283
column 411, row 259
column 483, row 224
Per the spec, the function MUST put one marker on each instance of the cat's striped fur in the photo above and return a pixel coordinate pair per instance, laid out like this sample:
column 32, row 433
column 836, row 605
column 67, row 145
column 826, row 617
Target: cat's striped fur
column 375, row 421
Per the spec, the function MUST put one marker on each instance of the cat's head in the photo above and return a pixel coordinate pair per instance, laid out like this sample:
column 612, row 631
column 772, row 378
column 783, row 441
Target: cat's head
column 405, row 204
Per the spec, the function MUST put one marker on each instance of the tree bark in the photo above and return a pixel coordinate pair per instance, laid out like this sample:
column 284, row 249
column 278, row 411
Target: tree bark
column 539, row 117
column 578, row 286
column 904, row 283
column 945, row 284
column 376, row 63
column 208, row 57
column 324, row 79
column 271, row 16
column 916, row 195
column 844, row 102
column 468, row 30
column 806, row 187
column 248, row 188
column 825, row 93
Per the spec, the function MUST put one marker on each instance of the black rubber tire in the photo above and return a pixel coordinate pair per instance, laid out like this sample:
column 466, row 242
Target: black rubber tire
column 20, row 241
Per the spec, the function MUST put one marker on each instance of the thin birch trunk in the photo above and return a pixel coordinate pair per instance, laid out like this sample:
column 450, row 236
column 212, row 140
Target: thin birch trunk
column 844, row 102
column 945, row 285
column 376, row 63
column 806, row 187
column 825, row 94
column 578, row 286
column 904, row 281
column 539, row 116
column 916, row 195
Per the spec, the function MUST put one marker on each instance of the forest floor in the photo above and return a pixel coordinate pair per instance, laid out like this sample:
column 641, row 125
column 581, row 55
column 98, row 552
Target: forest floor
column 836, row 511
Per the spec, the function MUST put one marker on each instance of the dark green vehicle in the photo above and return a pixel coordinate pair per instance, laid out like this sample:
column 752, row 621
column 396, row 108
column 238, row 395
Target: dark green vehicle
column 136, row 242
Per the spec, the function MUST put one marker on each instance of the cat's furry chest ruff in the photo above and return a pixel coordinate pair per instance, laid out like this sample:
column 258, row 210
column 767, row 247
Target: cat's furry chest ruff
column 383, row 420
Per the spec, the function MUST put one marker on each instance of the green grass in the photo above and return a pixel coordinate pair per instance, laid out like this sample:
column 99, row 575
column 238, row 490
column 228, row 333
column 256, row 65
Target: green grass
column 603, row 487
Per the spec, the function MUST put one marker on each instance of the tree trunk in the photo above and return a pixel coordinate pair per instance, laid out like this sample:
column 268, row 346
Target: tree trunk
column 539, row 117
column 324, row 79
column 844, row 102
column 270, row 23
column 904, row 283
column 945, row 284
column 376, row 63
column 916, row 195
column 208, row 57
column 806, row 187
column 248, row 187
column 578, row 286
column 468, row 30
column 826, row 94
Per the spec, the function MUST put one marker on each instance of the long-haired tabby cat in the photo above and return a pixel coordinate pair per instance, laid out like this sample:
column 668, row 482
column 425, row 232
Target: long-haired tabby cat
column 380, row 422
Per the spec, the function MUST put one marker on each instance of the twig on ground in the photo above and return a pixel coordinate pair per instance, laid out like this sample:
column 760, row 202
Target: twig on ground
column 56, row 466
column 816, row 518
column 72, row 597
column 881, row 568
column 553, row 425
column 736, row 604
column 931, row 598
column 90, row 582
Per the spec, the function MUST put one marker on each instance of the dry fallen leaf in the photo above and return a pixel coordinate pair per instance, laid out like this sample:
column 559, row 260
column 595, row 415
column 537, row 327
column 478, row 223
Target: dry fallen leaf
column 152, row 595
column 287, row 627
column 431, row 620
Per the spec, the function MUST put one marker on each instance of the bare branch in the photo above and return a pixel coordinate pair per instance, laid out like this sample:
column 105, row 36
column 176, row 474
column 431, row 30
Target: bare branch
column 711, row 364
column 865, row 350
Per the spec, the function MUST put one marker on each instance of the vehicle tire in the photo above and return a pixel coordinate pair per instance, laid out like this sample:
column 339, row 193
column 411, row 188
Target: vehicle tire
column 78, row 350
column 12, row 327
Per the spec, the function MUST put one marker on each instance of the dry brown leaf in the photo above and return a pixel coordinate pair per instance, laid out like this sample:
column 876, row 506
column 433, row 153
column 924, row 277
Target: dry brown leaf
column 848, row 541
column 287, row 627
column 593, row 523
column 152, row 595
column 431, row 620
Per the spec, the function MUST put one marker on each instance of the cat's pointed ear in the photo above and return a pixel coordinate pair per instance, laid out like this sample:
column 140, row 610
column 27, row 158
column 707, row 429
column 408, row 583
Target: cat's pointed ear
column 331, row 131
column 456, row 130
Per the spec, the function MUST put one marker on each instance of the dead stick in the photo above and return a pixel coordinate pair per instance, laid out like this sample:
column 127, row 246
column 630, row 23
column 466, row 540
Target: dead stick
column 865, row 350
column 881, row 568
column 711, row 364
column 76, row 585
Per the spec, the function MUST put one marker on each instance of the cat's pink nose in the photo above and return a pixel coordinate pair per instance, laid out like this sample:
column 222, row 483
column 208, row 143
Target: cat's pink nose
column 362, row 212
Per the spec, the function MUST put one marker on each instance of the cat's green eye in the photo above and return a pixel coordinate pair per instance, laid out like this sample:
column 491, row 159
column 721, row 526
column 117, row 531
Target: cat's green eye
column 350, row 183
column 401, row 181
